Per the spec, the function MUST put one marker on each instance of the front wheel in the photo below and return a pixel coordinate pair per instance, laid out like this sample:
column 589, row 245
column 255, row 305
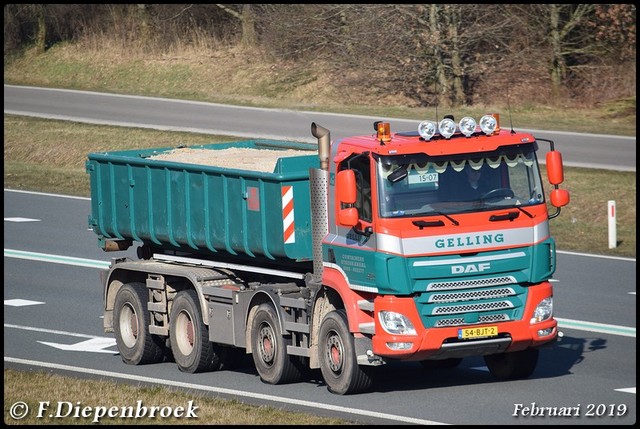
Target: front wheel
column 269, row 349
column 190, row 344
column 131, row 321
column 514, row 365
column 338, row 361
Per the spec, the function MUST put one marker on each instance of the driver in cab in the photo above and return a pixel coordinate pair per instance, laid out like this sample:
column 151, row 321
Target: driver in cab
column 473, row 187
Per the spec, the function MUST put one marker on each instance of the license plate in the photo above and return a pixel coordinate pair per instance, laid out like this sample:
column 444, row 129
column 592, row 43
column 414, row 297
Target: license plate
column 480, row 332
column 423, row 178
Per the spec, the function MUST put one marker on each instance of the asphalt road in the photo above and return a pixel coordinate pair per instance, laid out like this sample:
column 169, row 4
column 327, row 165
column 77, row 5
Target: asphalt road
column 52, row 321
column 578, row 150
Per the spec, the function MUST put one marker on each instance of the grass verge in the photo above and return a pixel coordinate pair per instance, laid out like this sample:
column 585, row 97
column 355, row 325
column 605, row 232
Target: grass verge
column 56, row 399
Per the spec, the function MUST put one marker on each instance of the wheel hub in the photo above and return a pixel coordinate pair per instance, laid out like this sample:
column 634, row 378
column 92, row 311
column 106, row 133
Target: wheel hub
column 334, row 354
column 267, row 351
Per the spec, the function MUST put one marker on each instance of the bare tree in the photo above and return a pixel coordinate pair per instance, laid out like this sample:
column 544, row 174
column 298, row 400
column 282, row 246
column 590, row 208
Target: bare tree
column 247, row 20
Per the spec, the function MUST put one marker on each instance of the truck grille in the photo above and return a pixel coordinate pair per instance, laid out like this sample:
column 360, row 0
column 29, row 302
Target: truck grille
column 471, row 302
column 466, row 284
column 488, row 306
column 494, row 318
column 472, row 295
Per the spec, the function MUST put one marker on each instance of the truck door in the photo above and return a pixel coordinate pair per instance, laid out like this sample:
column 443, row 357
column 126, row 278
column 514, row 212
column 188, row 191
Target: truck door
column 356, row 246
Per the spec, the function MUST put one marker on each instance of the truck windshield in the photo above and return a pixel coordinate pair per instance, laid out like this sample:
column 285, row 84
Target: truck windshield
column 422, row 185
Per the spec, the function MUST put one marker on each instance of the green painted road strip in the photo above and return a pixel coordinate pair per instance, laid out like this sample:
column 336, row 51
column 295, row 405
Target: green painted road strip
column 580, row 325
column 56, row 259
column 624, row 331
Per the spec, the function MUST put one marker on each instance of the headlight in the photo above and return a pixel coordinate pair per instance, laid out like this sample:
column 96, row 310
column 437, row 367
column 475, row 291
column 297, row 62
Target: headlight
column 543, row 311
column 396, row 323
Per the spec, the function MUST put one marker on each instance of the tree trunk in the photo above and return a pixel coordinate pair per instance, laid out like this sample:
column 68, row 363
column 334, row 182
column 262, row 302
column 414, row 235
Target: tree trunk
column 457, row 90
column 41, row 36
column 440, row 75
column 249, row 38
column 558, row 65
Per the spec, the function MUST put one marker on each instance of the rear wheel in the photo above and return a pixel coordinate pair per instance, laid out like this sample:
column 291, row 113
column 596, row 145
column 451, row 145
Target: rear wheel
column 131, row 326
column 269, row 349
column 190, row 344
column 514, row 365
column 338, row 361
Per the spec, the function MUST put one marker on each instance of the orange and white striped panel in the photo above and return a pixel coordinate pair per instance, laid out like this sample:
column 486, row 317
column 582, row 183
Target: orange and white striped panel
column 287, row 215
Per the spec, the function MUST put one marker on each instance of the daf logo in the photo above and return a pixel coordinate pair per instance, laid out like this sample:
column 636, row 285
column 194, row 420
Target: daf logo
column 470, row 268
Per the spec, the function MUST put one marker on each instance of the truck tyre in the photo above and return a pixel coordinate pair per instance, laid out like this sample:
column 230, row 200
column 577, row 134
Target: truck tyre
column 514, row 365
column 269, row 349
column 338, row 361
column 131, row 326
column 190, row 344
column 441, row 363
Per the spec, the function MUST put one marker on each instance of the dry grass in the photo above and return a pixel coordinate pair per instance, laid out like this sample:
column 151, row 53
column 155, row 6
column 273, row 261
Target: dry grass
column 582, row 225
column 73, row 395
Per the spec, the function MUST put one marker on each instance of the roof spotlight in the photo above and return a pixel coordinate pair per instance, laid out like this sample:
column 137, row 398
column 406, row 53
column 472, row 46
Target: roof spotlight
column 427, row 129
column 467, row 126
column 488, row 124
column 447, row 128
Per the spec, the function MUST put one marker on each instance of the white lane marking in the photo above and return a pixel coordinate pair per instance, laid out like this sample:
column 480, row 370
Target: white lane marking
column 21, row 302
column 49, row 331
column 92, row 263
column 93, row 345
column 20, row 219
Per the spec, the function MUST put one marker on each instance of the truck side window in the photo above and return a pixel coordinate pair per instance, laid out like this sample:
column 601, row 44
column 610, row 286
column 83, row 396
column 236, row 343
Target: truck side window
column 361, row 166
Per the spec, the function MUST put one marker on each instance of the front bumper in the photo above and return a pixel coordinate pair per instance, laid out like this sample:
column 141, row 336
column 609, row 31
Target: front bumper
column 442, row 343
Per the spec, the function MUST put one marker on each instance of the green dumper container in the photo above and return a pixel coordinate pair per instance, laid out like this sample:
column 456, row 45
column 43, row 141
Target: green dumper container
column 206, row 210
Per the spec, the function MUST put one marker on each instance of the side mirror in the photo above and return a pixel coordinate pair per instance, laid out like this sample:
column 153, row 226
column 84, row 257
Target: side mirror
column 348, row 217
column 555, row 171
column 346, row 187
column 346, row 193
column 559, row 197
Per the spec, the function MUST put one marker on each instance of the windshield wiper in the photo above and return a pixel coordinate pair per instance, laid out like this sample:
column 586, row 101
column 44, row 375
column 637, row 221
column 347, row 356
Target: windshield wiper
column 509, row 216
column 524, row 211
column 423, row 223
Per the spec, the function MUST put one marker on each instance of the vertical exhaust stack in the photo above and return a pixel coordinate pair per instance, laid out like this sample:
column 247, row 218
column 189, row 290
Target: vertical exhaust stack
column 324, row 144
column 318, row 181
